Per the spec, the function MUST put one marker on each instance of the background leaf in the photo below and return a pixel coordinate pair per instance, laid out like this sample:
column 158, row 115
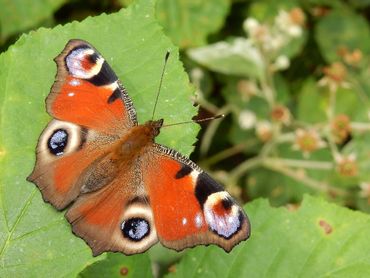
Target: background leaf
column 318, row 239
column 188, row 23
column 236, row 58
column 35, row 239
column 17, row 15
column 342, row 28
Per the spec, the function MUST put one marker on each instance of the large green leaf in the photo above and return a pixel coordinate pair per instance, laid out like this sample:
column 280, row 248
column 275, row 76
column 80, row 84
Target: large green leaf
column 35, row 240
column 19, row 15
column 188, row 23
column 317, row 240
column 116, row 265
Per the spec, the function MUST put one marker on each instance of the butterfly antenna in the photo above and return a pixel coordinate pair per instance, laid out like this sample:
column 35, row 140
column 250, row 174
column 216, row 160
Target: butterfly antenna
column 198, row 120
column 160, row 82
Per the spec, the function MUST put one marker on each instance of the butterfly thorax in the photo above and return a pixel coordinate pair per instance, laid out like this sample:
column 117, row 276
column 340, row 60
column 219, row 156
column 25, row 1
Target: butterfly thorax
column 138, row 139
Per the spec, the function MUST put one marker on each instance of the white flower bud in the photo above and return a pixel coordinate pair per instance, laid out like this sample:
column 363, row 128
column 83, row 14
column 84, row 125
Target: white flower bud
column 247, row 119
column 281, row 63
column 250, row 25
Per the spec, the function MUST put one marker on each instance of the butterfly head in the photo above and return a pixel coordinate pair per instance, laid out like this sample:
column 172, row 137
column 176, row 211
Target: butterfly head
column 154, row 127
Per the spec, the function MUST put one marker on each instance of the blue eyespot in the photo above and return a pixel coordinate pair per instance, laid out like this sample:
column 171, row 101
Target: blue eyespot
column 58, row 142
column 135, row 229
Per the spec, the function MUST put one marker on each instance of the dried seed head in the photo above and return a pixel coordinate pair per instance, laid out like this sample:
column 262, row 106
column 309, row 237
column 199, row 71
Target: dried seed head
column 341, row 128
column 347, row 165
column 264, row 131
column 280, row 113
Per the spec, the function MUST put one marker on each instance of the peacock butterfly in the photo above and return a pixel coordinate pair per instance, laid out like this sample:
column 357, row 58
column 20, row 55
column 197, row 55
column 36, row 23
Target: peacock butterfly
column 124, row 192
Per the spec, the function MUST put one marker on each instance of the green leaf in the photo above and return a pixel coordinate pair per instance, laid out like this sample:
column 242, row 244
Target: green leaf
column 314, row 101
column 238, row 57
column 278, row 188
column 118, row 265
column 342, row 28
column 311, row 103
column 266, row 10
column 35, row 239
column 360, row 147
column 310, row 4
column 188, row 23
column 317, row 240
column 359, row 3
column 17, row 15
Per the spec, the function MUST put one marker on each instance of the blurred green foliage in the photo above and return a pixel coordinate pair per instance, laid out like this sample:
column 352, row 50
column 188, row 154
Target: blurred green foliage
column 292, row 78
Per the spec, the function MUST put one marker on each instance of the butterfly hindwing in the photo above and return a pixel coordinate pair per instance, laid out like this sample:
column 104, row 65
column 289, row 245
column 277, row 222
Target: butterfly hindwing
column 116, row 217
column 189, row 207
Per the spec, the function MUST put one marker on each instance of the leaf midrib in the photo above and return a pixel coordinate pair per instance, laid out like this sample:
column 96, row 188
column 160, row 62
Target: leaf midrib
column 18, row 219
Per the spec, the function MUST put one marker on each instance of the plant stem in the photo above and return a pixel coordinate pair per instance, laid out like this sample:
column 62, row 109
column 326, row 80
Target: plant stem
column 314, row 184
column 361, row 127
column 331, row 113
column 296, row 163
column 211, row 130
column 244, row 167
column 229, row 152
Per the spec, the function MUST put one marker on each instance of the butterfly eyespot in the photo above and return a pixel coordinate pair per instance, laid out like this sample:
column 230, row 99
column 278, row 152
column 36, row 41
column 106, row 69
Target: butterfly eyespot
column 135, row 229
column 222, row 215
column 93, row 58
column 83, row 62
column 58, row 142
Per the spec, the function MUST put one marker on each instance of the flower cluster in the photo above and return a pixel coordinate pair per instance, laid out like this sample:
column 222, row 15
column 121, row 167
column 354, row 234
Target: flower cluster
column 288, row 25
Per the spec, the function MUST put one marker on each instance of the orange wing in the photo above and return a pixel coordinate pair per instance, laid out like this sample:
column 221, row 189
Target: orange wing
column 87, row 92
column 189, row 207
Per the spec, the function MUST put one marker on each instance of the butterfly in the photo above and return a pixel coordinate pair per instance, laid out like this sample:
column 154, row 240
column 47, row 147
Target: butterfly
column 123, row 191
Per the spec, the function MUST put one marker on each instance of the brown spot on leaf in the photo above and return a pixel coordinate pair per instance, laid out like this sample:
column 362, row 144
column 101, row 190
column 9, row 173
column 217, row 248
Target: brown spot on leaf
column 292, row 207
column 172, row 268
column 123, row 271
column 326, row 226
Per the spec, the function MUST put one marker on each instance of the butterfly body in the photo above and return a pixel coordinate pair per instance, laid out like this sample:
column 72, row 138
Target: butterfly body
column 124, row 192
